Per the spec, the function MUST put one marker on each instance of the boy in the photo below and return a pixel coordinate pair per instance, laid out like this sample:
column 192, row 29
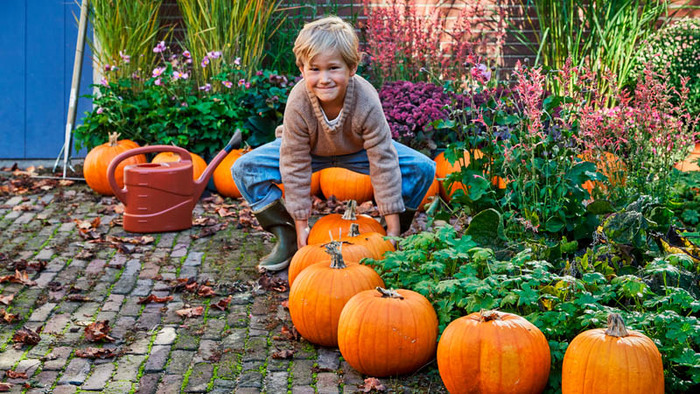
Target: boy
column 333, row 118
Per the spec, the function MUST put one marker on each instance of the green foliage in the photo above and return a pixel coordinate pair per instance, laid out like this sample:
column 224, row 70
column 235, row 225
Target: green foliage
column 563, row 298
column 168, row 110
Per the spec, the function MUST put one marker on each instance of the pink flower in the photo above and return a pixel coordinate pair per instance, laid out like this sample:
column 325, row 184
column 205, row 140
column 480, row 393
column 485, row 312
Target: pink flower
column 237, row 61
column 104, row 82
column 205, row 62
column 206, row 87
column 157, row 82
column 100, row 110
column 160, row 47
column 241, row 82
column 228, row 84
column 125, row 58
column 187, row 54
column 179, row 75
column 214, row 54
column 158, row 71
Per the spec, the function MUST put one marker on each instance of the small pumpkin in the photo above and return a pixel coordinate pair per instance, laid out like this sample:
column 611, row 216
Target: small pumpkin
column 346, row 185
column 97, row 161
column 223, row 179
column 691, row 162
column 374, row 242
column 312, row 254
column 340, row 224
column 493, row 352
column 609, row 165
column 612, row 360
column 443, row 168
column 198, row 164
column 385, row 332
column 320, row 292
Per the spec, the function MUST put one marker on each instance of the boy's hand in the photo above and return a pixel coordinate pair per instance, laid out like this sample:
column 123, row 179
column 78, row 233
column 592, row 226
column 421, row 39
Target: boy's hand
column 302, row 228
column 393, row 226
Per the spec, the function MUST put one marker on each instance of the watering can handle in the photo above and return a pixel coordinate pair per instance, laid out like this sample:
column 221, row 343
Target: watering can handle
column 184, row 156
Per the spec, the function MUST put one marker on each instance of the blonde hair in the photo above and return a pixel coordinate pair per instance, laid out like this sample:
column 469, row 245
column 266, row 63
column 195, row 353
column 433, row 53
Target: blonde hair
column 327, row 34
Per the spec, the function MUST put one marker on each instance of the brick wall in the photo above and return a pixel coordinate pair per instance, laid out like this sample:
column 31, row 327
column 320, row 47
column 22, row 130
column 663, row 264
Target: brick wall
column 507, row 53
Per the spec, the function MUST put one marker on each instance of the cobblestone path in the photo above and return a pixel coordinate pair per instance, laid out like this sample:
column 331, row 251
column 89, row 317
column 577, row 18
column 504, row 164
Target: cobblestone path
column 72, row 282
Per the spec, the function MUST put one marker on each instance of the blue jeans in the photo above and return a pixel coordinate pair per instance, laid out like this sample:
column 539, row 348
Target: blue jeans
column 256, row 173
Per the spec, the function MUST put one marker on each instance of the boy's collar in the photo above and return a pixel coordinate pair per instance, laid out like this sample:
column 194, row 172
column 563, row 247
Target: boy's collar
column 347, row 102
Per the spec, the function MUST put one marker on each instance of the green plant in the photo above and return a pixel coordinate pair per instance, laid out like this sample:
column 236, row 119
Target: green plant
column 235, row 29
column 562, row 298
column 125, row 31
column 602, row 35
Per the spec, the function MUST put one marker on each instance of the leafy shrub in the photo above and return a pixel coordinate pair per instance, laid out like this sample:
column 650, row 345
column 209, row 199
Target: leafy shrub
column 167, row 107
column 659, row 298
column 675, row 47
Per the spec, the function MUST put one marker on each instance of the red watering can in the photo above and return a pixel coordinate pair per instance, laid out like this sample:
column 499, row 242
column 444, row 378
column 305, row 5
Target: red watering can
column 160, row 197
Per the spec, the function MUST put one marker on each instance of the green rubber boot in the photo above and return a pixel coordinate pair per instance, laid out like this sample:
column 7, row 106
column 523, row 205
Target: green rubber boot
column 275, row 219
column 406, row 218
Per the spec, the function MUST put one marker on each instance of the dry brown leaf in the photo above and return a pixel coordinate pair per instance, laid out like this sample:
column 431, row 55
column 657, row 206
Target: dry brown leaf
column 16, row 375
column 372, row 384
column 6, row 299
column 7, row 317
column 35, row 266
column 210, row 230
column 223, row 303
column 205, row 291
column 269, row 282
column 288, row 334
column 191, row 312
column 84, row 254
column 285, row 304
column 119, row 208
column 5, row 387
column 154, row 298
column 66, row 182
column 26, row 336
column 78, row 298
column 94, row 352
column 19, row 277
column 83, row 225
column 98, row 331
column 283, row 354
column 204, row 221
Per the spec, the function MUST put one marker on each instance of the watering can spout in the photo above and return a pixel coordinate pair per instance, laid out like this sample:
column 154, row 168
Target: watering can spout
column 201, row 183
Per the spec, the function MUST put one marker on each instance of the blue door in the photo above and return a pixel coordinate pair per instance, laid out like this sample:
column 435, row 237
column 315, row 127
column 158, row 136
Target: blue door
column 37, row 46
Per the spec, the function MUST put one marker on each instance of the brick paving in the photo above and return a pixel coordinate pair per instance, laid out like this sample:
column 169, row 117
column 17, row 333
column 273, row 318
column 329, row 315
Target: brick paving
column 156, row 350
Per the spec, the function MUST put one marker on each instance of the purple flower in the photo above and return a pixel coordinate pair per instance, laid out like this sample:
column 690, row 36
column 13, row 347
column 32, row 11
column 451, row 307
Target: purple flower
column 108, row 67
column 179, row 75
column 259, row 73
column 237, row 61
column 157, row 82
column 187, row 54
column 481, row 72
column 205, row 62
column 241, row 82
column 228, row 84
column 160, row 47
column 158, row 71
column 104, row 82
column 100, row 110
column 214, row 54
column 206, row 87
column 125, row 58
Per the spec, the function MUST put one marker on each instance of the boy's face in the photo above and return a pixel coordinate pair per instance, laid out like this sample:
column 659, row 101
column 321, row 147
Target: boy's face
column 327, row 77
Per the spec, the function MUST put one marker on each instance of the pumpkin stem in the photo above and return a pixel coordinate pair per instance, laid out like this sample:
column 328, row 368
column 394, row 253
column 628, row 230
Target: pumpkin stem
column 350, row 210
column 616, row 326
column 489, row 315
column 113, row 139
column 354, row 229
column 390, row 293
column 334, row 248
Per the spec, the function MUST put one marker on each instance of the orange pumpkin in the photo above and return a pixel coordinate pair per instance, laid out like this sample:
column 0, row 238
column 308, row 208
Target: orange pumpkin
column 609, row 165
column 337, row 224
column 443, row 168
column 433, row 191
column 315, row 184
column 223, row 179
column 312, row 254
column 374, row 242
column 198, row 164
column 386, row 333
column 612, row 360
column 493, row 352
column 346, row 185
column 320, row 292
column 691, row 162
column 98, row 159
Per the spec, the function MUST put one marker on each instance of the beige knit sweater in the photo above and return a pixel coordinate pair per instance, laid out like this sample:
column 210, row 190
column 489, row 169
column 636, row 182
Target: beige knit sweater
column 362, row 125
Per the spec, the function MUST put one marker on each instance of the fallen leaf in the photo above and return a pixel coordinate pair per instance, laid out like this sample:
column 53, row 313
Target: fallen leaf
column 5, row 387
column 66, row 182
column 7, row 317
column 98, row 331
column 210, row 230
column 154, row 298
column 223, row 303
column 78, row 298
column 83, row 225
column 269, row 282
column 205, row 291
column 35, row 266
column 191, row 312
column 16, row 375
column 19, row 277
column 372, row 384
column 283, row 354
column 119, row 208
column 95, row 352
column 285, row 304
column 84, row 254
column 26, row 336
column 6, row 299
column 204, row 221
column 288, row 334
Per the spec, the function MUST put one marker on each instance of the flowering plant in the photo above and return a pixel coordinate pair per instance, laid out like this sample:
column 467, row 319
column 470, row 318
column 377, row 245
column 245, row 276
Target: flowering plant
column 166, row 106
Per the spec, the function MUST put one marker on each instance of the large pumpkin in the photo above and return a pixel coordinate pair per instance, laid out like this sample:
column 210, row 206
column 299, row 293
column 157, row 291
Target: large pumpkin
column 373, row 241
column 612, row 360
column 320, row 292
column 691, row 162
column 386, row 333
column 336, row 225
column 493, row 352
column 313, row 254
column 198, row 164
column 443, row 168
column 609, row 165
column 98, row 159
column 346, row 185
column 315, row 184
column 223, row 179
column 433, row 191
